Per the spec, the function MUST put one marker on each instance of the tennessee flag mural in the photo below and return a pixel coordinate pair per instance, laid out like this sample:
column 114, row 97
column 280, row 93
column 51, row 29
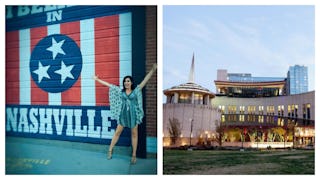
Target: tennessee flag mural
column 52, row 53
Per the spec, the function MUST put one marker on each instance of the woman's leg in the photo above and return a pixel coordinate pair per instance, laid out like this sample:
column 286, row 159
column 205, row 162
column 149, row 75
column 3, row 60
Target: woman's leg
column 115, row 139
column 134, row 141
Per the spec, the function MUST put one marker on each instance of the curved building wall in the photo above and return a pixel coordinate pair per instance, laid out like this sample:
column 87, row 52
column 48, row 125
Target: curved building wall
column 203, row 124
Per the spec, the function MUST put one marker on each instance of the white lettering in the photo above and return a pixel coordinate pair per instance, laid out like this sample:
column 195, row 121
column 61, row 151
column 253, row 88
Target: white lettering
column 69, row 131
column 106, row 134
column 12, row 119
column 36, row 9
column 9, row 12
column 23, row 121
column 54, row 16
column 45, row 121
column 41, row 120
column 32, row 115
column 23, row 10
column 79, row 130
column 59, row 121
column 91, row 132
column 50, row 8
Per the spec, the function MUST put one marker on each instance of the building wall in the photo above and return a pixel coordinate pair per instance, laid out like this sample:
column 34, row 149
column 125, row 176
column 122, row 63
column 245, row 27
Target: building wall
column 204, row 119
column 151, row 87
column 297, row 79
column 298, row 99
column 112, row 42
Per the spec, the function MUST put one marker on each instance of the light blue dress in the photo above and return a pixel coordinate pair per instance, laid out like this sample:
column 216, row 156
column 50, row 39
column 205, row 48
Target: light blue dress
column 126, row 109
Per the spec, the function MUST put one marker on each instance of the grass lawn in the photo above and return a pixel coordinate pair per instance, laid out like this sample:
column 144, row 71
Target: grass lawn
column 211, row 162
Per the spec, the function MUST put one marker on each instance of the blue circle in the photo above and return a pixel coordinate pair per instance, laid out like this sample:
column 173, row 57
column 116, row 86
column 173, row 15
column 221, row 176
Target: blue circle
column 56, row 63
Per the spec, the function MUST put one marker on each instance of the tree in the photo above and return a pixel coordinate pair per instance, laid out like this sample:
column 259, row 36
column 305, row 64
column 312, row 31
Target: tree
column 234, row 134
column 290, row 130
column 174, row 130
column 271, row 136
column 220, row 134
column 252, row 135
column 280, row 133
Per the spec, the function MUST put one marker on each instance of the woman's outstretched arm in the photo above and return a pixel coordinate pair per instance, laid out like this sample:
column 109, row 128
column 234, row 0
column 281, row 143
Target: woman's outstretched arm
column 101, row 81
column 148, row 76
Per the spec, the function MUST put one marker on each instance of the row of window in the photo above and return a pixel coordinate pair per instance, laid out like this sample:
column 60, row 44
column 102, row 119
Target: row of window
column 292, row 110
column 256, row 119
column 187, row 98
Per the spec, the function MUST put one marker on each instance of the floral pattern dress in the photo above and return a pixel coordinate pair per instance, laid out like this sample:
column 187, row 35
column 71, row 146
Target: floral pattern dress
column 126, row 109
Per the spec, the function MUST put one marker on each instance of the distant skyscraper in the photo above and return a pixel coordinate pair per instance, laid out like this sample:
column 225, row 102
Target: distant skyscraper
column 297, row 79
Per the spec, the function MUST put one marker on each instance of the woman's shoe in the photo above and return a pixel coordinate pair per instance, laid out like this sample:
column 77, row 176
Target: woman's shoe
column 109, row 156
column 133, row 160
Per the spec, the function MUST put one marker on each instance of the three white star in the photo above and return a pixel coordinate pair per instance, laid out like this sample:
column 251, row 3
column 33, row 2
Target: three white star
column 55, row 48
column 42, row 72
column 65, row 72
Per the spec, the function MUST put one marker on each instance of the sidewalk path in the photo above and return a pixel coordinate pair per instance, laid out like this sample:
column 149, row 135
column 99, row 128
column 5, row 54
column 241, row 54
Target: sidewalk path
column 41, row 156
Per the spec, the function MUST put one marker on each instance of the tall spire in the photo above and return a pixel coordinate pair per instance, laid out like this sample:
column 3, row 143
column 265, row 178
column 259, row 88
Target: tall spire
column 191, row 75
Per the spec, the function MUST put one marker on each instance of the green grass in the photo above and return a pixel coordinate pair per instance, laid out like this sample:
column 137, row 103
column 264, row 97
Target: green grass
column 236, row 162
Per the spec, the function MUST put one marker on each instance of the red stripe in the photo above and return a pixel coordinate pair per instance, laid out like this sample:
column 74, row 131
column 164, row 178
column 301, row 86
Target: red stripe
column 73, row 95
column 106, row 55
column 38, row 96
column 12, row 68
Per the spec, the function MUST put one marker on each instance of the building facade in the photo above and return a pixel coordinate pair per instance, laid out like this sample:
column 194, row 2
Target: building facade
column 297, row 79
column 245, row 111
column 188, row 115
column 294, row 115
column 52, row 53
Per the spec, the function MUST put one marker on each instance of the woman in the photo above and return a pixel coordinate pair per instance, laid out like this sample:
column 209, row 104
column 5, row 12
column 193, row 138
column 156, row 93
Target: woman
column 126, row 108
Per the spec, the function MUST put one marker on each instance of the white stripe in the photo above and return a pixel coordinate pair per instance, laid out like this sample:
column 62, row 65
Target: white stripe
column 54, row 98
column 88, row 97
column 24, row 72
column 125, row 43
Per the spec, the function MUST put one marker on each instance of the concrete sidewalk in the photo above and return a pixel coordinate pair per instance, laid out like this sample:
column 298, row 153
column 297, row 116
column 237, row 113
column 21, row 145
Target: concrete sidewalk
column 41, row 156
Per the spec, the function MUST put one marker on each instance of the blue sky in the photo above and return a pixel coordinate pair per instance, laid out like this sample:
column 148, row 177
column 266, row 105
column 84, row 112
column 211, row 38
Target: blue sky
column 261, row 40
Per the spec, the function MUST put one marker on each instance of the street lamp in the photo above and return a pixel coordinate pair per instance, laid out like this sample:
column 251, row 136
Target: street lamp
column 191, row 127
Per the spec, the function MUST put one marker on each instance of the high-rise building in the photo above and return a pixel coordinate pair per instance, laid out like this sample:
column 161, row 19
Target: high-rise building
column 297, row 79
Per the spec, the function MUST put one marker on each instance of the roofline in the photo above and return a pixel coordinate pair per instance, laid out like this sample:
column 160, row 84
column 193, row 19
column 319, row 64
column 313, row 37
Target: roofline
column 232, row 83
column 167, row 91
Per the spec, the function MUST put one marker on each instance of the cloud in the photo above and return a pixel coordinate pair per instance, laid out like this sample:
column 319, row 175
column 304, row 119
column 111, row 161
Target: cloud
column 173, row 77
column 246, row 43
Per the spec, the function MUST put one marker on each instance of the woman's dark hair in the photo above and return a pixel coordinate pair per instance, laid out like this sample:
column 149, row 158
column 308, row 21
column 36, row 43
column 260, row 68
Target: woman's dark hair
column 132, row 85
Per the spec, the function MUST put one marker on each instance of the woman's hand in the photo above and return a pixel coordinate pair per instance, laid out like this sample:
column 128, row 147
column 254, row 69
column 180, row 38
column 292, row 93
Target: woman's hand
column 95, row 77
column 154, row 66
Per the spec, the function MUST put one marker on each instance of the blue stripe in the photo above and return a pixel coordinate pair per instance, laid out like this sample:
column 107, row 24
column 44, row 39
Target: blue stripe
column 66, row 127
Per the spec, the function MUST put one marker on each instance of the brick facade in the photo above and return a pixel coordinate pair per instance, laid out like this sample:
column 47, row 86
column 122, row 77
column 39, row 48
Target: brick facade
column 151, row 56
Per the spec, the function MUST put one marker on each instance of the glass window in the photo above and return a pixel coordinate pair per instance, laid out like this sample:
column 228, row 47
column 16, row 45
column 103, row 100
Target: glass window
column 251, row 109
column 296, row 107
column 308, row 111
column 261, row 110
column 242, row 109
column 198, row 98
column 185, row 98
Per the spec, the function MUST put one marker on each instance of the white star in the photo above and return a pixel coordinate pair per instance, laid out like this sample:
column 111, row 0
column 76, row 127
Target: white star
column 55, row 48
column 42, row 72
column 65, row 72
